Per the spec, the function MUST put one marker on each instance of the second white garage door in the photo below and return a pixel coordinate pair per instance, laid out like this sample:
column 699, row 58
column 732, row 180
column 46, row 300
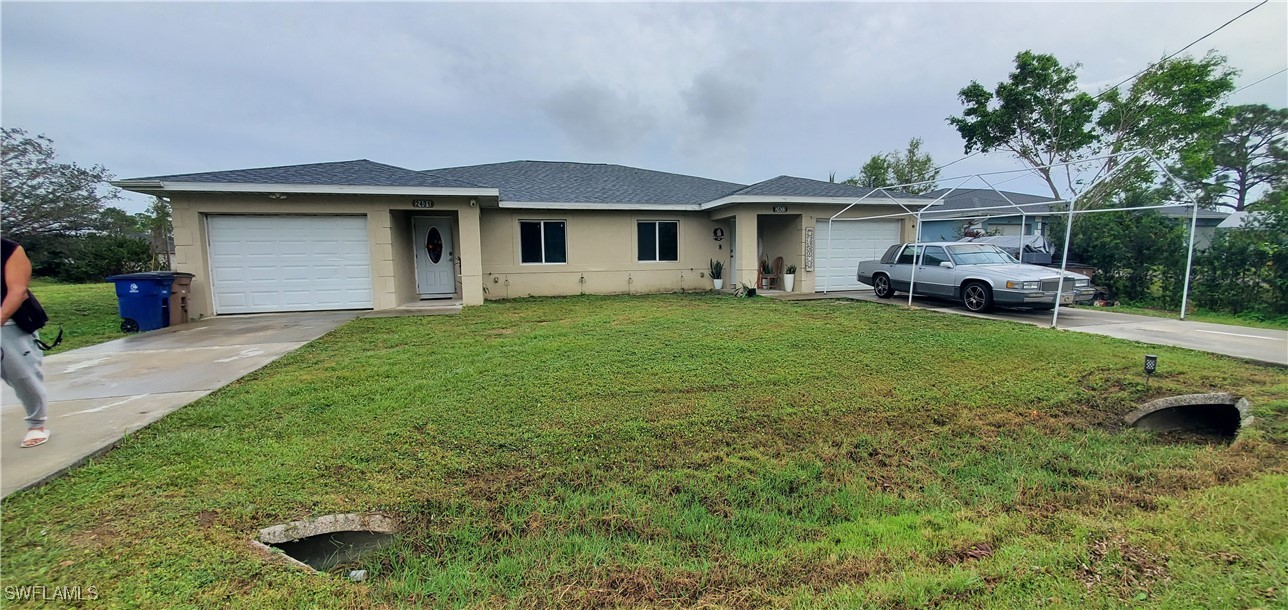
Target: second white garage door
column 851, row 241
column 289, row 263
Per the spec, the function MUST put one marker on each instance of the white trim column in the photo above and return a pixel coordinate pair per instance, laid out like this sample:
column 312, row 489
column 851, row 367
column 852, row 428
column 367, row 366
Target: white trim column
column 748, row 263
column 471, row 255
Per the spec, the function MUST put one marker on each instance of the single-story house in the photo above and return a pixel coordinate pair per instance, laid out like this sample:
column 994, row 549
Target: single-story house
column 964, row 209
column 365, row 235
column 1205, row 224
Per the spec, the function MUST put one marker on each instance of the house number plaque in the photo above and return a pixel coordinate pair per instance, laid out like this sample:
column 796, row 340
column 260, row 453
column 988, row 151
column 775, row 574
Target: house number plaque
column 809, row 248
column 422, row 203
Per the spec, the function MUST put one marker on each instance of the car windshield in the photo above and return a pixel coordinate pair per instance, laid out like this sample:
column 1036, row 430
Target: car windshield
column 979, row 254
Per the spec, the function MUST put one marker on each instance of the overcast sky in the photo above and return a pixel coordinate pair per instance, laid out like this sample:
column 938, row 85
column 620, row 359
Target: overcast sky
column 737, row 92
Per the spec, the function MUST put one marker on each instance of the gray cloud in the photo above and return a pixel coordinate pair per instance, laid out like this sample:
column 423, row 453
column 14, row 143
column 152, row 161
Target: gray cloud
column 722, row 103
column 740, row 92
column 598, row 119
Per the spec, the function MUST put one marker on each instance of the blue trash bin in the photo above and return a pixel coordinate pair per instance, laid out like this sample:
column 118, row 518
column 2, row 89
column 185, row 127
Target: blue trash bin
column 143, row 300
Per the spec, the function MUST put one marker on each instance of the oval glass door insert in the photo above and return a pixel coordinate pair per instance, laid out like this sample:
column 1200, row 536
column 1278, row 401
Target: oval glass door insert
column 434, row 245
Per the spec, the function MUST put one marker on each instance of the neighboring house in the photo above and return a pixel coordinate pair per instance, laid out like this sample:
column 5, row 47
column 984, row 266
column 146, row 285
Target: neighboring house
column 364, row 235
column 1236, row 220
column 1205, row 225
column 963, row 209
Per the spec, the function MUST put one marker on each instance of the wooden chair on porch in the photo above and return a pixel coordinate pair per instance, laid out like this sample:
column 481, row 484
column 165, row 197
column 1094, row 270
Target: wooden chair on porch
column 773, row 279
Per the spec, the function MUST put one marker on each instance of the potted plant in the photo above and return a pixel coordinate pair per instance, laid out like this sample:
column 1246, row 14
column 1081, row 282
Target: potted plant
column 766, row 270
column 717, row 273
column 789, row 278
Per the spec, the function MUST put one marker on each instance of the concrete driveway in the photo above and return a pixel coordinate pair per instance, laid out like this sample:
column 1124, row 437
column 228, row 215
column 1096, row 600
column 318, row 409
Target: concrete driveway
column 102, row 392
column 1257, row 344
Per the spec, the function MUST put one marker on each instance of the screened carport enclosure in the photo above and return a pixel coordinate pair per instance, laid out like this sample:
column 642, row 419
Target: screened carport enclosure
column 1095, row 197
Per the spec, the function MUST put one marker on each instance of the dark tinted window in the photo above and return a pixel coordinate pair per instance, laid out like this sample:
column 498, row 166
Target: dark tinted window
column 530, row 242
column 543, row 241
column 906, row 257
column 556, row 242
column 891, row 254
column 646, row 237
column 933, row 256
column 668, row 241
column 657, row 240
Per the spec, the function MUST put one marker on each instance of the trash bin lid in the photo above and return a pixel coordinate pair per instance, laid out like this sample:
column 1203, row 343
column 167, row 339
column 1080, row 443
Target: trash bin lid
column 149, row 275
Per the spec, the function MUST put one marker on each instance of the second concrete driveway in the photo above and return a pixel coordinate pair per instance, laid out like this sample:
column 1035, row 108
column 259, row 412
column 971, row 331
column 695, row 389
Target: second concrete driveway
column 1258, row 344
column 100, row 393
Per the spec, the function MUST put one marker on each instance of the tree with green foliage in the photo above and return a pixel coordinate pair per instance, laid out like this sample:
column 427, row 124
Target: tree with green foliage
column 907, row 167
column 1245, row 270
column 1041, row 116
column 156, row 221
column 1139, row 256
column 59, row 212
column 43, row 197
column 1250, row 153
column 875, row 173
column 913, row 167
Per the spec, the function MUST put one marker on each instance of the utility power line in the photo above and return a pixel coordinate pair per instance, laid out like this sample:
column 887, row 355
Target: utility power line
column 1260, row 81
column 1200, row 39
column 1182, row 50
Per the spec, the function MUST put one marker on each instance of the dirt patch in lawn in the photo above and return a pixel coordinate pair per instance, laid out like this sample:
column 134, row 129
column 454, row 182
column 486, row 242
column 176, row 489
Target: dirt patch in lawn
column 1124, row 568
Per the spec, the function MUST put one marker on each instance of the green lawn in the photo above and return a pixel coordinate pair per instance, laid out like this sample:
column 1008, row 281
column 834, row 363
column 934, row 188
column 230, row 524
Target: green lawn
column 686, row 451
column 87, row 313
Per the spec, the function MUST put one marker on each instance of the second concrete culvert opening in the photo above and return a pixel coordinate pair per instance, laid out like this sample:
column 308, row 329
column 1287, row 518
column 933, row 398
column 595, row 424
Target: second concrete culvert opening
column 1197, row 417
column 328, row 542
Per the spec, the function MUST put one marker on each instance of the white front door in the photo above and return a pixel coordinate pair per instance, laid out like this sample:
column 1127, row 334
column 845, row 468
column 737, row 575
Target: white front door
column 435, row 257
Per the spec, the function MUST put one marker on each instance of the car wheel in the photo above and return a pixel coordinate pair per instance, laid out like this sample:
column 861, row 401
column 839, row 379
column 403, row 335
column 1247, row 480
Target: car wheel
column 881, row 286
column 977, row 297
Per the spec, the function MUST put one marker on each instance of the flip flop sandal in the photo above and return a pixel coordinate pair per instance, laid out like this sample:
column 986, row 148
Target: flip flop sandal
column 34, row 438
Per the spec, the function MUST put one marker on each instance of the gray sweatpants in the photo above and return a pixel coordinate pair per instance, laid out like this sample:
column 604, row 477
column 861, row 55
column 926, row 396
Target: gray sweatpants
column 20, row 362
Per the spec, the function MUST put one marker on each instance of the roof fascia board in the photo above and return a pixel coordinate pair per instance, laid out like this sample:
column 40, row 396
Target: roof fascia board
column 872, row 200
column 564, row 205
column 315, row 189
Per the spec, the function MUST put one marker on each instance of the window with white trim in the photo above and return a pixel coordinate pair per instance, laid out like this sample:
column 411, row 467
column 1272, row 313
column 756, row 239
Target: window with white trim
column 658, row 241
column 543, row 241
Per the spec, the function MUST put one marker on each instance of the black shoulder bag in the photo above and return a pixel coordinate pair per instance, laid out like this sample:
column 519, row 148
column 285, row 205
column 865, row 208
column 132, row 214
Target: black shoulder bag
column 31, row 317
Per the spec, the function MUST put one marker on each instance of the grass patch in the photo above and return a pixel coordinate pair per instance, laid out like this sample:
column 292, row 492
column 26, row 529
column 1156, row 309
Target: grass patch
column 682, row 451
column 87, row 312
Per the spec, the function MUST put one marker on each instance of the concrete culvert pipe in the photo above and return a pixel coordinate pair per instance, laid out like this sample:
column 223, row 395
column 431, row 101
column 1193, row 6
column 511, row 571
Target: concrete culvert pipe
column 1220, row 415
column 329, row 541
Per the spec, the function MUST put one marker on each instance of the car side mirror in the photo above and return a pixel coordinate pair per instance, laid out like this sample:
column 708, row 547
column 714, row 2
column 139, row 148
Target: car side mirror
column 947, row 264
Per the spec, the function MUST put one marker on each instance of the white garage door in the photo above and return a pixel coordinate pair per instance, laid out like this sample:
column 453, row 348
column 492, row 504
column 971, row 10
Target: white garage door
column 289, row 263
column 851, row 241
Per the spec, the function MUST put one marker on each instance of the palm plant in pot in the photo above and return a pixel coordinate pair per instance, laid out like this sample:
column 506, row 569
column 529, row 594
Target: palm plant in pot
column 789, row 278
column 717, row 273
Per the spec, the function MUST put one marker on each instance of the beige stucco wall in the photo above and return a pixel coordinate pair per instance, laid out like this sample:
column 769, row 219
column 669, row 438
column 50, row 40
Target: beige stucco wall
column 388, row 232
column 786, row 238
column 601, row 255
column 601, row 245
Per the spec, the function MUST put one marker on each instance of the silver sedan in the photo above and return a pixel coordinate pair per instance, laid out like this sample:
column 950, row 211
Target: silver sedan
column 978, row 275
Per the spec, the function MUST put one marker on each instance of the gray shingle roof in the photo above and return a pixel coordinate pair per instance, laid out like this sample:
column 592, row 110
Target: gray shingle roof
column 566, row 182
column 970, row 199
column 348, row 173
column 791, row 186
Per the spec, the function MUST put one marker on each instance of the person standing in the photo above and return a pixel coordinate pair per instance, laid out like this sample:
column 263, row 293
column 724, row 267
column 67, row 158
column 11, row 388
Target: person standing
column 20, row 357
